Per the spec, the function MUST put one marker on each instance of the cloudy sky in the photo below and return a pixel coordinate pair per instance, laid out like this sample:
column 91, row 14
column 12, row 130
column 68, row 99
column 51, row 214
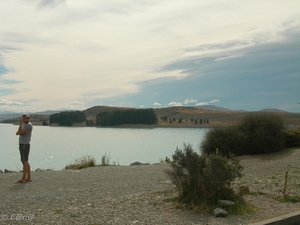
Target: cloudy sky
column 63, row 54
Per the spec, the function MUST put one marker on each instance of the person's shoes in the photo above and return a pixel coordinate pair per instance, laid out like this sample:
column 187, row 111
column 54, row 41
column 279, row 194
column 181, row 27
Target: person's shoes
column 28, row 180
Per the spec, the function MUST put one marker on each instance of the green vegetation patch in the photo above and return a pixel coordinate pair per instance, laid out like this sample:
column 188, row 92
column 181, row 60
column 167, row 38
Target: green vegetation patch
column 290, row 199
column 292, row 138
column 131, row 116
column 202, row 180
column 67, row 118
column 256, row 134
column 58, row 211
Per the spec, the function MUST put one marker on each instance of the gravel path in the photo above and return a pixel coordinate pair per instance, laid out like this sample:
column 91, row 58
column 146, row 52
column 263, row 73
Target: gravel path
column 138, row 194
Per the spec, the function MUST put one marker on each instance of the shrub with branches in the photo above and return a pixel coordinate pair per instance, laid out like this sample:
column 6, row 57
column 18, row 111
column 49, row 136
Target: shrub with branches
column 203, row 179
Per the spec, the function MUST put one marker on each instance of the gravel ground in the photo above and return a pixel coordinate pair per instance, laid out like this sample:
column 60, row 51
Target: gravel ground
column 139, row 194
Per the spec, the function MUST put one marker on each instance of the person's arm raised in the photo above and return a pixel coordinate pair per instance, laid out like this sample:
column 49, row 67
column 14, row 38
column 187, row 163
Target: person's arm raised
column 20, row 131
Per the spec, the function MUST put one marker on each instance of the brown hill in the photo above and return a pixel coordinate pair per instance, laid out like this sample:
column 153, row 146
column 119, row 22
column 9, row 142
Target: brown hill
column 188, row 115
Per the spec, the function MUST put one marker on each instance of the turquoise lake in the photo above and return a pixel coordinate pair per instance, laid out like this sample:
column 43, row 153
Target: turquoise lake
column 56, row 147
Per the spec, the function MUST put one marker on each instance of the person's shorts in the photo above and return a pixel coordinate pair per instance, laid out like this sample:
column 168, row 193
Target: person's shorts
column 24, row 152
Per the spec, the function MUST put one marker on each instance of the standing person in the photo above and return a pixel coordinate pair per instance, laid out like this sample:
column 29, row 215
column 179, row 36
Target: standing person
column 25, row 130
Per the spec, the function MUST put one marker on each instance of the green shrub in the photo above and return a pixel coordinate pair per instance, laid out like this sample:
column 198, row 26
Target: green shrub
column 292, row 138
column 83, row 162
column 202, row 180
column 167, row 159
column 264, row 133
column 226, row 141
column 257, row 133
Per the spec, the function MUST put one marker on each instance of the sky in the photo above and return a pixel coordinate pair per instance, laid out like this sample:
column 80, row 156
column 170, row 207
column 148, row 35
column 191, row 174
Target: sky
column 73, row 55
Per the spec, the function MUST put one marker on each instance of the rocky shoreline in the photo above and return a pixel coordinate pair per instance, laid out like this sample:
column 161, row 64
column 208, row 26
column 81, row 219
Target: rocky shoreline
column 141, row 194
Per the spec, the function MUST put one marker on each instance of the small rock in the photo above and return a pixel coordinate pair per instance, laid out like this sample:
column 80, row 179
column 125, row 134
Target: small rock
column 39, row 170
column 1, row 171
column 226, row 203
column 219, row 212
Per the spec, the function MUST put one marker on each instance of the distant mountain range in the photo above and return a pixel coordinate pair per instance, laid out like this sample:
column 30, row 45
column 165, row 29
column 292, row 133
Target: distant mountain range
column 272, row 110
column 8, row 116
column 91, row 111
column 217, row 108
column 12, row 115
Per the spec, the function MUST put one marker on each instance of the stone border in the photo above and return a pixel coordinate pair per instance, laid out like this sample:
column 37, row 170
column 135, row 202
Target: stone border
column 287, row 219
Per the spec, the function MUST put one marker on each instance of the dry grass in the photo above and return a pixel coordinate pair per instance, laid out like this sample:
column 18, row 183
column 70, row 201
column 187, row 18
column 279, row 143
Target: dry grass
column 83, row 162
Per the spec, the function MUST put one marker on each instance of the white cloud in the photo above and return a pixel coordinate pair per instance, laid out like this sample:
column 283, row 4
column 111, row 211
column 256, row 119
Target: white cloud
column 8, row 102
column 62, row 51
column 208, row 103
column 201, row 103
column 214, row 101
column 156, row 104
column 187, row 101
column 175, row 104
column 228, row 56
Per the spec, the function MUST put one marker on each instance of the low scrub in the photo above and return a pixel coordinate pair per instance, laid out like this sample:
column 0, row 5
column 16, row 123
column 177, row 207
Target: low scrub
column 257, row 133
column 83, row 162
column 292, row 138
column 105, row 160
column 202, row 180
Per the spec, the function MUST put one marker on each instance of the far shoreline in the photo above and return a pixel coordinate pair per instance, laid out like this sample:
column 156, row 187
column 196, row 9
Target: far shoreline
column 146, row 126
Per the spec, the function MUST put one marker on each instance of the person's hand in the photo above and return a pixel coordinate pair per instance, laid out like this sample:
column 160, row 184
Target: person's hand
column 21, row 121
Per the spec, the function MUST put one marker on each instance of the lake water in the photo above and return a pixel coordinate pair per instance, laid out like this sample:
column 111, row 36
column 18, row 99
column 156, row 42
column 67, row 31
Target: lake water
column 56, row 147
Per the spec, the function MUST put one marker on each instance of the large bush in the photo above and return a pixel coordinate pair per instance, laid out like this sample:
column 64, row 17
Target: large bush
column 257, row 133
column 264, row 133
column 203, row 179
column 226, row 141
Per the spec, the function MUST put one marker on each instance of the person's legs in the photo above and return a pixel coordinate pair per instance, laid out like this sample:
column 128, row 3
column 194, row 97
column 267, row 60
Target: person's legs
column 24, row 152
column 23, row 179
column 27, row 174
